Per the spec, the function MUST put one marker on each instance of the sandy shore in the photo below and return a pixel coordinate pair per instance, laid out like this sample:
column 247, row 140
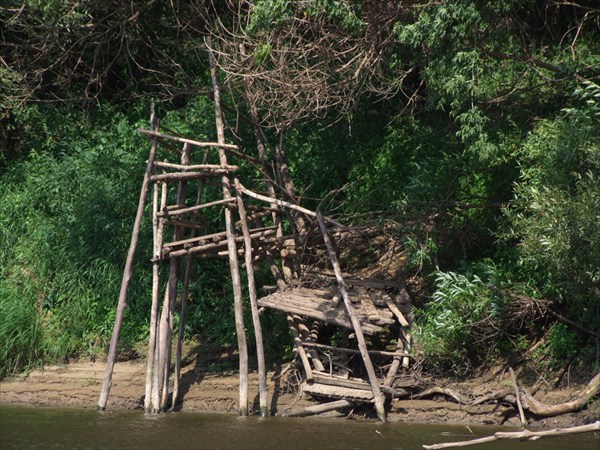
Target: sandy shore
column 78, row 385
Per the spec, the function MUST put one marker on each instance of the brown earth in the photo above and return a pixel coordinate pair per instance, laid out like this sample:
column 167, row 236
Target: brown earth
column 78, row 385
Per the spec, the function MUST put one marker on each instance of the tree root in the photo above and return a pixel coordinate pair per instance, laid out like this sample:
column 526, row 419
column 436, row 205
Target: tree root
column 528, row 402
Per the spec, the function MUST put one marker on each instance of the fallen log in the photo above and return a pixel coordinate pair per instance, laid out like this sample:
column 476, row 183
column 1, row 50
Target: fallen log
column 317, row 409
column 522, row 435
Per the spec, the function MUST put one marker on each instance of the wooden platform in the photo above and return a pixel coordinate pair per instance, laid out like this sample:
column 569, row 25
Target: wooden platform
column 324, row 305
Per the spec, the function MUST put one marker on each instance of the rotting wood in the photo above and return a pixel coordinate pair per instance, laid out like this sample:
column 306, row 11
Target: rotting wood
column 362, row 346
column 112, row 352
column 300, row 350
column 231, row 242
column 521, row 435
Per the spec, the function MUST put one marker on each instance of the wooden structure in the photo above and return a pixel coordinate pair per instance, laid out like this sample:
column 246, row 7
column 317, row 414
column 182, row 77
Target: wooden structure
column 322, row 305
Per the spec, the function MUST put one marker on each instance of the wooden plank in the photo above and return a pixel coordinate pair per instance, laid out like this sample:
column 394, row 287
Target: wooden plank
column 320, row 311
column 324, row 378
column 392, row 306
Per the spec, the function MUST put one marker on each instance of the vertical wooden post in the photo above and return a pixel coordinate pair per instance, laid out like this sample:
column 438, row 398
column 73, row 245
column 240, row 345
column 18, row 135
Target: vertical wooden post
column 122, row 303
column 174, row 264
column 184, row 296
column 362, row 346
column 260, row 352
column 158, row 349
column 231, row 244
column 155, row 295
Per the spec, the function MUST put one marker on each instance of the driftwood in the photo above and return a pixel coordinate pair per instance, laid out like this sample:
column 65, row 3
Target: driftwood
column 521, row 435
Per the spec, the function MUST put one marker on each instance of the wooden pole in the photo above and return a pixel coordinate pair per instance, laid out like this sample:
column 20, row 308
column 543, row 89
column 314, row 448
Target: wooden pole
column 362, row 346
column 231, row 244
column 184, row 297
column 156, row 376
column 122, row 303
column 260, row 352
column 154, row 308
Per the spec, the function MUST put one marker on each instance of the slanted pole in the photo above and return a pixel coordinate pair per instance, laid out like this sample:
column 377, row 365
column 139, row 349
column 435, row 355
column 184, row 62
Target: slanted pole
column 260, row 352
column 362, row 345
column 231, row 243
column 122, row 303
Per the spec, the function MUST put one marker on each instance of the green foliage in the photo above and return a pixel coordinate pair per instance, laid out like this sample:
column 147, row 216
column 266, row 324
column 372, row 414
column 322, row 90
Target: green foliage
column 65, row 220
column 20, row 330
column 453, row 332
column 564, row 344
column 556, row 216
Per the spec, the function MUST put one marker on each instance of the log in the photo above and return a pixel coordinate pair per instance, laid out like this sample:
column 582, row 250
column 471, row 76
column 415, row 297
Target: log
column 158, row 135
column 521, row 435
column 317, row 409
column 231, row 242
column 362, row 346
column 127, row 272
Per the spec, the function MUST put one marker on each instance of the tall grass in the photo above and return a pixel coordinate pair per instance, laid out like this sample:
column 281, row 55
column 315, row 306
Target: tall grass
column 20, row 332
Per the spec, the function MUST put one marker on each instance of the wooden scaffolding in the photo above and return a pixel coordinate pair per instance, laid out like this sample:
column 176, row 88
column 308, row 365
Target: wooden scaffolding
column 360, row 310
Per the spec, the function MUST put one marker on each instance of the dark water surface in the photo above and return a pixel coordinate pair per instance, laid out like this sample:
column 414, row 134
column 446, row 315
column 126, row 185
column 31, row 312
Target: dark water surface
column 47, row 428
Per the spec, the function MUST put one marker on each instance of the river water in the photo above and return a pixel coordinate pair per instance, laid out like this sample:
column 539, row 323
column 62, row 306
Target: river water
column 48, row 428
